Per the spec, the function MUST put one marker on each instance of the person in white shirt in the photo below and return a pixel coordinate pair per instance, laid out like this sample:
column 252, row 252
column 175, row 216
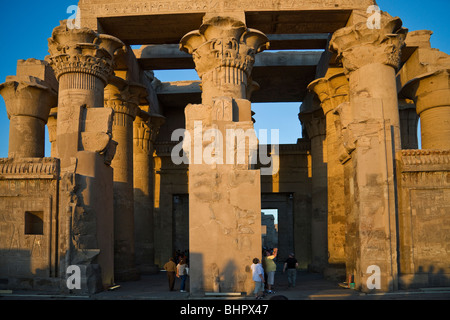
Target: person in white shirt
column 182, row 274
column 258, row 278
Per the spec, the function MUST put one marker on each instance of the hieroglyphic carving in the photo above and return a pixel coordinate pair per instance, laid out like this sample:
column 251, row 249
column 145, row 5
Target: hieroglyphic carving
column 22, row 253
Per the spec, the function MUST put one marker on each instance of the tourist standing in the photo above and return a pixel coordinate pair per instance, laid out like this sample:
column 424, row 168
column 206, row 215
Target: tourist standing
column 291, row 265
column 258, row 278
column 182, row 273
column 270, row 267
column 171, row 269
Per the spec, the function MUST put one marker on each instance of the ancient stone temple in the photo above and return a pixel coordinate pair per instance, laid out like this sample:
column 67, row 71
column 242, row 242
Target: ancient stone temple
column 140, row 168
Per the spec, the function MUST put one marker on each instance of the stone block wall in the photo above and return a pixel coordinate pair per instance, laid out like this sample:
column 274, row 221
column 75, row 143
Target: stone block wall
column 28, row 223
column 424, row 218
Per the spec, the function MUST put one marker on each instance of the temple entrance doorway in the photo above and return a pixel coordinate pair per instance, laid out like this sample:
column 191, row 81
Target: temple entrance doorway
column 280, row 204
column 180, row 232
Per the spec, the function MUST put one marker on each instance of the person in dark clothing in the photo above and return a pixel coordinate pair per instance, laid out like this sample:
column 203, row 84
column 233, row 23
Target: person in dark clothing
column 291, row 265
column 171, row 269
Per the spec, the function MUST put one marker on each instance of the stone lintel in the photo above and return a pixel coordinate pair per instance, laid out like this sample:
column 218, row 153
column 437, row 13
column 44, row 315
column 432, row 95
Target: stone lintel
column 145, row 22
column 165, row 57
column 282, row 77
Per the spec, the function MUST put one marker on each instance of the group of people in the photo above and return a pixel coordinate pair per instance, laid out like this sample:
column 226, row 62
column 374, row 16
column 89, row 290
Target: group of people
column 179, row 270
column 263, row 274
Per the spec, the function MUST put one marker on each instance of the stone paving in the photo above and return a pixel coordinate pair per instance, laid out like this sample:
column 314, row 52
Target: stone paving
column 309, row 286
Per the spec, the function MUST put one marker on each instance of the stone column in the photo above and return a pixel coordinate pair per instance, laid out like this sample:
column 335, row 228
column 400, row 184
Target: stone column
column 28, row 104
column 315, row 125
column 83, row 61
column 370, row 58
column 431, row 94
column 124, row 97
column 52, row 125
column 332, row 90
column 224, row 191
column 146, row 128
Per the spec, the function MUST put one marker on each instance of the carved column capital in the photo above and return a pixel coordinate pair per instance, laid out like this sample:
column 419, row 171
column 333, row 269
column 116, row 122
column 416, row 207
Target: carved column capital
column 314, row 122
column 224, row 52
column 31, row 98
column 136, row 95
column 124, row 97
column 223, row 42
column 359, row 45
column 429, row 90
column 332, row 91
column 28, row 104
column 146, row 128
column 82, row 51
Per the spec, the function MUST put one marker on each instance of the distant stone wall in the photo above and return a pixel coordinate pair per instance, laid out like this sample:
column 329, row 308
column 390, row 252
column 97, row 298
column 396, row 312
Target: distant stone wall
column 270, row 234
column 424, row 218
column 28, row 215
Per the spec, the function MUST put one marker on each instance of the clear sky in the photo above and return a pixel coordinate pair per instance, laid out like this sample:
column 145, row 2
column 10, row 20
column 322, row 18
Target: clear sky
column 26, row 25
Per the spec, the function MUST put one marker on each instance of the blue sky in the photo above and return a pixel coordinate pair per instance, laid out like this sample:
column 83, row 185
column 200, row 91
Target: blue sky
column 26, row 25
